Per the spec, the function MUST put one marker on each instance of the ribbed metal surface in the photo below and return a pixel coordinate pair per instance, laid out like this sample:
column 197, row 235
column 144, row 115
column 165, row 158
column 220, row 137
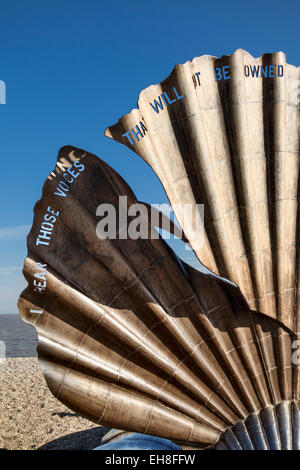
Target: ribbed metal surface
column 232, row 144
column 132, row 338
column 274, row 428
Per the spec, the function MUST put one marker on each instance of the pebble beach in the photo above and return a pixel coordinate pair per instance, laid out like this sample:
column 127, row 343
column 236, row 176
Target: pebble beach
column 31, row 418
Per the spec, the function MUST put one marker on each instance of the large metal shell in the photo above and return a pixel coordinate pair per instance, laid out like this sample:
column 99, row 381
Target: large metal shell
column 225, row 133
column 132, row 337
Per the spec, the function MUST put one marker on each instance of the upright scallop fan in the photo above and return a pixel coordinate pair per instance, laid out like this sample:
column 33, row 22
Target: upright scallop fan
column 225, row 133
column 130, row 336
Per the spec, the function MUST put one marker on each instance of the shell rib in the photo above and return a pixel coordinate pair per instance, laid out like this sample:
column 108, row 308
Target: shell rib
column 132, row 337
column 274, row 428
column 232, row 144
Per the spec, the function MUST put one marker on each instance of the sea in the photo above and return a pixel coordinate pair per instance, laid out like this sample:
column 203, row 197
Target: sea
column 17, row 339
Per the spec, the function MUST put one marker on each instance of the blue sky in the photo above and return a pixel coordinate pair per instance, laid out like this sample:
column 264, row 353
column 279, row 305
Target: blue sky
column 74, row 67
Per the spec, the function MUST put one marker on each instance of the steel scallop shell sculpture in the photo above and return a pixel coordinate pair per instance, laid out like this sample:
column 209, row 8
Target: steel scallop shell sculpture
column 131, row 336
column 231, row 144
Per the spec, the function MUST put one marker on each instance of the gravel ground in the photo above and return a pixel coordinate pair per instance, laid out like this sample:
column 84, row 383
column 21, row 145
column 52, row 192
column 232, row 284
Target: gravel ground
column 31, row 418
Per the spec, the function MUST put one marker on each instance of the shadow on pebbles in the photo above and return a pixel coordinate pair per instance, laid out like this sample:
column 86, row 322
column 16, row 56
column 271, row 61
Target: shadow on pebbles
column 31, row 418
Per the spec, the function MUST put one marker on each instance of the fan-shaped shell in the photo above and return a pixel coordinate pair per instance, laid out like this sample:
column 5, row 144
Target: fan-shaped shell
column 132, row 337
column 225, row 133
